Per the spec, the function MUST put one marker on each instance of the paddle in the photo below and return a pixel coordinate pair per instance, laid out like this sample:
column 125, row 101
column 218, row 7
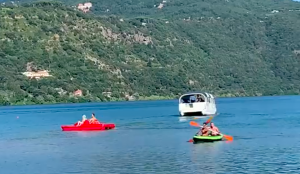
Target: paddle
column 210, row 118
column 193, row 123
column 228, row 137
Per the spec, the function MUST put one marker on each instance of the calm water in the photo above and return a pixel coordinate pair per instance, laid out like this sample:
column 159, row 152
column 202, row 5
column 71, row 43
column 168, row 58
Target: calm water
column 151, row 138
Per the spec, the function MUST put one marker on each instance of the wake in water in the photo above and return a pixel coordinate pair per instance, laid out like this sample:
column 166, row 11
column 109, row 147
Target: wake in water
column 161, row 122
column 185, row 119
column 189, row 118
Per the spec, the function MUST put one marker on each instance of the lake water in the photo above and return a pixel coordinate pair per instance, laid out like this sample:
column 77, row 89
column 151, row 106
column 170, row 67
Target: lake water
column 151, row 138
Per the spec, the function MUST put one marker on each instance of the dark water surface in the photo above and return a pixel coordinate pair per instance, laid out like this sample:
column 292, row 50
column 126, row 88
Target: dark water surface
column 151, row 138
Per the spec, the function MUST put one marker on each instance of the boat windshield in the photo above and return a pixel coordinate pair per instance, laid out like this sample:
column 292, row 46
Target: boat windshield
column 192, row 98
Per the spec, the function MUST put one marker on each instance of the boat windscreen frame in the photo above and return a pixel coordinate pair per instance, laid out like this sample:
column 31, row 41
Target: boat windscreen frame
column 204, row 95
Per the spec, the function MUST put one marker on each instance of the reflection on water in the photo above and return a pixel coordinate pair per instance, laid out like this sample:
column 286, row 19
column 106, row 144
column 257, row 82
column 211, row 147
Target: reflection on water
column 205, row 155
column 88, row 134
column 194, row 118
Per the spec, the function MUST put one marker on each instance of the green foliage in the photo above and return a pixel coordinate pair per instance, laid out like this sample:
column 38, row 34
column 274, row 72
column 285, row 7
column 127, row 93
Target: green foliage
column 234, row 48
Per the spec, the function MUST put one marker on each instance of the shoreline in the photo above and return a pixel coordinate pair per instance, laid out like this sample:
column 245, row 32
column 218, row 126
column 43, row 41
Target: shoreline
column 151, row 98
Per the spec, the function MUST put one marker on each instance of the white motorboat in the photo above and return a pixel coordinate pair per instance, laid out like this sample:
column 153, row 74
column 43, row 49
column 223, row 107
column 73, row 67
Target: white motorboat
column 199, row 104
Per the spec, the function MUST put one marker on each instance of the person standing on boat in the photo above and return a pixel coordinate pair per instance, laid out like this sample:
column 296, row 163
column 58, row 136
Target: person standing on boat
column 214, row 129
column 198, row 98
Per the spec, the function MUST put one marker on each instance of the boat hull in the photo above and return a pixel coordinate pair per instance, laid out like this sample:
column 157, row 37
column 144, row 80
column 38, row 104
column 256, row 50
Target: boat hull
column 198, row 139
column 90, row 127
column 191, row 114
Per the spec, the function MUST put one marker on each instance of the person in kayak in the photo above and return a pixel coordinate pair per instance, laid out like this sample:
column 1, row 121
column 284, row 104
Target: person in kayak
column 93, row 120
column 204, row 130
column 214, row 131
column 82, row 121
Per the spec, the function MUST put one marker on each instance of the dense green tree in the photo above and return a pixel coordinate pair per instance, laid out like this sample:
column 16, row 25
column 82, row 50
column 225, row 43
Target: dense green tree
column 229, row 48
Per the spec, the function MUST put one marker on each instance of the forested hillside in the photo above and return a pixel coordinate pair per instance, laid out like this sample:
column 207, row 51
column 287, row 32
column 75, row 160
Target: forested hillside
column 136, row 51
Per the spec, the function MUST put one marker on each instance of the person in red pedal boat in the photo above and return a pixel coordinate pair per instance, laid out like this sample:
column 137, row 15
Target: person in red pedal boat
column 82, row 121
column 94, row 120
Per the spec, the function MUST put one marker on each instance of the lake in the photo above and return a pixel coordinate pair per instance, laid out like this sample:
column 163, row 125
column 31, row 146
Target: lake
column 150, row 137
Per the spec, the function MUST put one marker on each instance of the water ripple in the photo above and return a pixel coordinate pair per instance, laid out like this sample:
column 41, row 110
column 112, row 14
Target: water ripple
column 151, row 138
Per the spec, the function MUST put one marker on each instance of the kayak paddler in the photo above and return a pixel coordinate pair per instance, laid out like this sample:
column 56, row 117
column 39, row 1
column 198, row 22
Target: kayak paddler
column 214, row 129
column 204, row 130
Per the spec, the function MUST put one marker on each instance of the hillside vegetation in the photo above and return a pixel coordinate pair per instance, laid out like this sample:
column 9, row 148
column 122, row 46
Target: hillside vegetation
column 229, row 48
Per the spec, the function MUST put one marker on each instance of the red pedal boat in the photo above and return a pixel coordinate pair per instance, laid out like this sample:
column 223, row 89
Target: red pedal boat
column 86, row 126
